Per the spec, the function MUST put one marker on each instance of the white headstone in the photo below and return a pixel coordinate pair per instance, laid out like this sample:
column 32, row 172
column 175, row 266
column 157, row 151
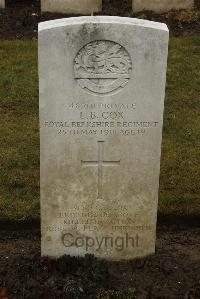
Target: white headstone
column 162, row 5
column 102, row 88
column 71, row 6
column 2, row 3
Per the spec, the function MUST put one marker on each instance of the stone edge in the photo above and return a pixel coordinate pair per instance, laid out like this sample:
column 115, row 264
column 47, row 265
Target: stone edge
column 47, row 25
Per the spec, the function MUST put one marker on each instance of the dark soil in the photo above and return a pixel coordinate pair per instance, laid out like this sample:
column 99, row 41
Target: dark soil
column 20, row 18
column 172, row 273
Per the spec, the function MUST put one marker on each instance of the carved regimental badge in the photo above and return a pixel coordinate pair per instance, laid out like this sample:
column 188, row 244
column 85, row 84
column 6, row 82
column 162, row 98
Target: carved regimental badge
column 102, row 67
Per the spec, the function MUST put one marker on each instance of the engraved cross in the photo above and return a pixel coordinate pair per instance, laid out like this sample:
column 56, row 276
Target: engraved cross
column 100, row 163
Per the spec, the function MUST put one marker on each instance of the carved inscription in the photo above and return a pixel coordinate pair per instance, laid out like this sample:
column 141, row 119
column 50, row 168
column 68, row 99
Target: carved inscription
column 100, row 163
column 102, row 67
column 102, row 120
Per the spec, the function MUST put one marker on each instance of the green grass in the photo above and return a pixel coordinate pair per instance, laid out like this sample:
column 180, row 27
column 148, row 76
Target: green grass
column 19, row 136
column 19, row 130
column 180, row 164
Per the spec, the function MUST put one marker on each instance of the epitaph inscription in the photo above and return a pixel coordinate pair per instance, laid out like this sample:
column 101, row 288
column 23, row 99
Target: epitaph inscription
column 102, row 67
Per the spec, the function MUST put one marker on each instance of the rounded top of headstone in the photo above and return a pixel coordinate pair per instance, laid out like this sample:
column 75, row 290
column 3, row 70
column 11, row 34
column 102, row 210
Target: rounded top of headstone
column 101, row 19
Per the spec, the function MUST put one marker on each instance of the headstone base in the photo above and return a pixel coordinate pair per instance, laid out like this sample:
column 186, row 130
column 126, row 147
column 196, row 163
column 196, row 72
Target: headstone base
column 2, row 3
column 161, row 5
column 71, row 6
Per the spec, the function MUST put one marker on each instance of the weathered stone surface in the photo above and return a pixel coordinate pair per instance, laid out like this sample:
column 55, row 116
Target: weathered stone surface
column 72, row 6
column 102, row 88
column 2, row 3
column 161, row 5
